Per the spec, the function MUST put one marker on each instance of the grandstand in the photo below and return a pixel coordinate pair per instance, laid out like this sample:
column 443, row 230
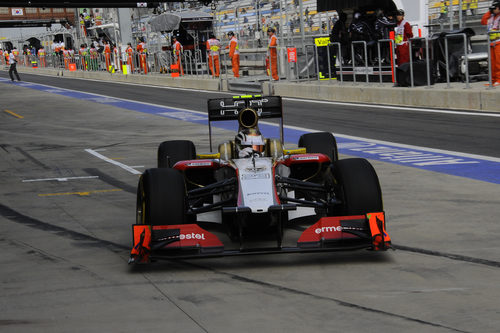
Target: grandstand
column 250, row 19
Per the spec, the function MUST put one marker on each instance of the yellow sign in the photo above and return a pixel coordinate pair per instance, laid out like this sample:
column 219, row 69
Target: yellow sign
column 322, row 41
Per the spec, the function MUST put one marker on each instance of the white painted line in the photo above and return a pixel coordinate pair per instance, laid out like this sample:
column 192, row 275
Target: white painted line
column 396, row 107
column 137, row 166
column 60, row 179
column 121, row 165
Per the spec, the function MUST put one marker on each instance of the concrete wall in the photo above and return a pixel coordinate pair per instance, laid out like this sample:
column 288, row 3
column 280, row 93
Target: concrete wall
column 478, row 99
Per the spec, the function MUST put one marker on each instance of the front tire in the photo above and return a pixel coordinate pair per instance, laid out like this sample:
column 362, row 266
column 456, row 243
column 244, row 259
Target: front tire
column 161, row 197
column 359, row 186
column 171, row 152
column 322, row 143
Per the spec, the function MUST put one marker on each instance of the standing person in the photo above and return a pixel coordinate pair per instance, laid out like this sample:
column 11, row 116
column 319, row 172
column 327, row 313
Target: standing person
column 213, row 47
column 142, row 51
column 107, row 55
column 41, row 56
column 83, row 56
column 339, row 34
column 273, row 53
column 83, row 30
column 403, row 34
column 2, row 59
column 93, row 58
column 67, row 57
column 177, row 49
column 443, row 10
column 465, row 6
column 473, row 7
column 13, row 69
column 234, row 53
column 116, row 56
column 130, row 57
column 98, row 17
column 492, row 20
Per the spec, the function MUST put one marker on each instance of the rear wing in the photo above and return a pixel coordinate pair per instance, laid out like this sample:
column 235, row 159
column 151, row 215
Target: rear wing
column 220, row 109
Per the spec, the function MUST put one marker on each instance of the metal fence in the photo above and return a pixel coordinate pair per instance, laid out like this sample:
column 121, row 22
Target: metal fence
column 257, row 64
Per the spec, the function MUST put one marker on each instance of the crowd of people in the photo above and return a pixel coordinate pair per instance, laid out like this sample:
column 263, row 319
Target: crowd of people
column 370, row 29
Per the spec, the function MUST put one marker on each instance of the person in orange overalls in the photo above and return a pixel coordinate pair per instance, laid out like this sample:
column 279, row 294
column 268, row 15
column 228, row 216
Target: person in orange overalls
column 234, row 53
column 273, row 53
column 107, row 55
column 492, row 20
column 83, row 52
column 142, row 51
column 67, row 57
column 213, row 47
column 41, row 57
column 2, row 58
column 177, row 50
column 130, row 57
column 403, row 33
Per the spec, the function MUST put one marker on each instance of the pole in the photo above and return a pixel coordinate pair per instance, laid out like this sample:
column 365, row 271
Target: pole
column 460, row 12
column 301, row 17
column 450, row 14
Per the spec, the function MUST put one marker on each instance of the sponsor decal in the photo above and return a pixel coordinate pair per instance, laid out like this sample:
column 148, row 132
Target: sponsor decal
column 328, row 229
column 194, row 164
column 192, row 236
column 252, row 176
column 306, row 158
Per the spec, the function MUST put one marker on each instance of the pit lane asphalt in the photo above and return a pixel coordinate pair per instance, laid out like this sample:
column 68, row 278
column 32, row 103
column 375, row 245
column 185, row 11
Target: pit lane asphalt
column 64, row 242
column 456, row 132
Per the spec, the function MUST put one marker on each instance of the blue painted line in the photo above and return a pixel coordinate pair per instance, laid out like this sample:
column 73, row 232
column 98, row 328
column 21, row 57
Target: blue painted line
column 483, row 169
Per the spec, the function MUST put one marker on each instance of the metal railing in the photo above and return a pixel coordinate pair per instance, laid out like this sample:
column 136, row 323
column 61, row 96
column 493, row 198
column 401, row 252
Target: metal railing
column 466, row 52
column 353, row 53
column 427, row 60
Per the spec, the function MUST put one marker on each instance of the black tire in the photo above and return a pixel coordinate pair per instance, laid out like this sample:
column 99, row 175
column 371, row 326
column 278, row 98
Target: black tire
column 321, row 142
column 171, row 152
column 161, row 197
column 359, row 186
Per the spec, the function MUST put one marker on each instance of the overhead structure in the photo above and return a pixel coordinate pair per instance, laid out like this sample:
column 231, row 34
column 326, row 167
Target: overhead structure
column 81, row 4
column 344, row 5
column 31, row 23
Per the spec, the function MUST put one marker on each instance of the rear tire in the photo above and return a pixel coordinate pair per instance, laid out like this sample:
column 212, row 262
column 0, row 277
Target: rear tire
column 322, row 143
column 359, row 186
column 161, row 197
column 171, row 152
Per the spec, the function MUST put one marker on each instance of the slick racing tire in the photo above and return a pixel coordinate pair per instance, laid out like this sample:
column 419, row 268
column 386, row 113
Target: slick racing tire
column 171, row 152
column 161, row 197
column 321, row 142
column 359, row 186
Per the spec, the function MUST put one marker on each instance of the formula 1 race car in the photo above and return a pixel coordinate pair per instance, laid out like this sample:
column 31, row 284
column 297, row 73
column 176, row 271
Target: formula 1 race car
column 255, row 197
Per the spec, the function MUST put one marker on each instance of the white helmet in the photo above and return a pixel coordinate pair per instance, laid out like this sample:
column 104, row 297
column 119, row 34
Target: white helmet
column 249, row 141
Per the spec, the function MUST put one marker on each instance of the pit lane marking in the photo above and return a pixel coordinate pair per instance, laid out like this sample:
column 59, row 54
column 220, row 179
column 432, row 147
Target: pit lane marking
column 109, row 160
column 60, row 179
column 14, row 114
column 81, row 193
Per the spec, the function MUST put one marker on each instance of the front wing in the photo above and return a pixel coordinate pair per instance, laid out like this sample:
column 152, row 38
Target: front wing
column 191, row 241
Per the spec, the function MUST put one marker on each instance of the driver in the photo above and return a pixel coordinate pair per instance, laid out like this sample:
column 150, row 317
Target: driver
column 249, row 141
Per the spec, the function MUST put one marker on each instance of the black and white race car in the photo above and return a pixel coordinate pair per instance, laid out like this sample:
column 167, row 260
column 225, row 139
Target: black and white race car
column 255, row 197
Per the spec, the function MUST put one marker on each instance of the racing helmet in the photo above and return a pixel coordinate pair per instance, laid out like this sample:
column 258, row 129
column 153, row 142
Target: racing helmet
column 250, row 138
